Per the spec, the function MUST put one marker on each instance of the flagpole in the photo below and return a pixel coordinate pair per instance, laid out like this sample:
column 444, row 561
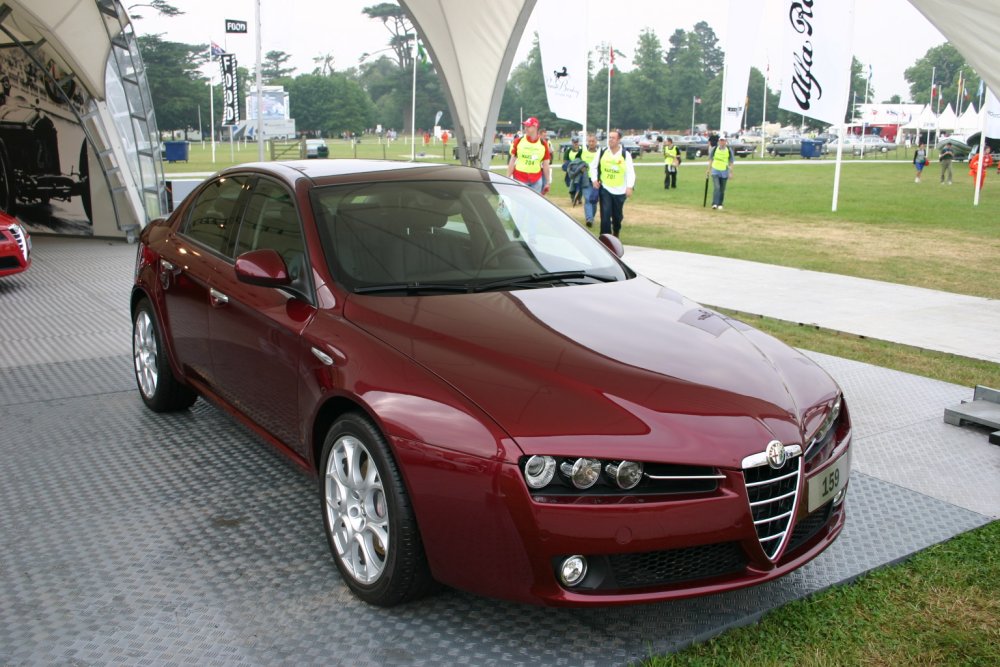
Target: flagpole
column 958, row 93
column 930, row 105
column 693, row 98
column 413, row 105
column 211, row 112
column 982, row 147
column 611, row 69
column 763, row 116
column 260, row 90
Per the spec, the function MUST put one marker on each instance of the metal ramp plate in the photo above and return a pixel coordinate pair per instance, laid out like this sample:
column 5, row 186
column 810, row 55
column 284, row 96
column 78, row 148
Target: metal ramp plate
column 135, row 538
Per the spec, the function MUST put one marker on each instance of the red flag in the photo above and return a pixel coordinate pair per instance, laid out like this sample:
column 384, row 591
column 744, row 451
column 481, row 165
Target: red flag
column 697, row 100
column 611, row 67
column 933, row 91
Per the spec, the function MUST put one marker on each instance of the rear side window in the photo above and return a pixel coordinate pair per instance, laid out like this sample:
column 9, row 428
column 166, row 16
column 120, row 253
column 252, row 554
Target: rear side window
column 213, row 214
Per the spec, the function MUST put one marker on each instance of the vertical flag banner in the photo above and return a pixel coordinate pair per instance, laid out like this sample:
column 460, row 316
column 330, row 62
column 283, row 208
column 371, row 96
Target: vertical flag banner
column 230, row 90
column 992, row 115
column 564, row 62
column 744, row 27
column 818, row 38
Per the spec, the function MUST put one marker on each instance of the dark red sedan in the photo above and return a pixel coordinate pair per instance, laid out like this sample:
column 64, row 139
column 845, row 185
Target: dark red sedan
column 488, row 396
column 15, row 246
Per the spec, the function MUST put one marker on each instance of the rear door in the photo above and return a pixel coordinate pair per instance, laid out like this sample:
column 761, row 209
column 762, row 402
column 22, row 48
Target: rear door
column 190, row 260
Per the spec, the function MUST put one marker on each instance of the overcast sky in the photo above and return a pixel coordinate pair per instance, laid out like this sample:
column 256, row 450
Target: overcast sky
column 889, row 34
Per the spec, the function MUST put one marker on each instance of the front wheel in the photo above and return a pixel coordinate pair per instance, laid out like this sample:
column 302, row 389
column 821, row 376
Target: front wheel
column 369, row 521
column 160, row 390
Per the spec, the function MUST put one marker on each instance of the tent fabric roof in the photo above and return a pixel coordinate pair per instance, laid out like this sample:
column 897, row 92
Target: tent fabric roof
column 472, row 45
column 972, row 27
column 74, row 29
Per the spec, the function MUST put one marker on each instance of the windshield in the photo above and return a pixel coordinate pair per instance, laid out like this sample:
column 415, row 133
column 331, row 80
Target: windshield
column 453, row 237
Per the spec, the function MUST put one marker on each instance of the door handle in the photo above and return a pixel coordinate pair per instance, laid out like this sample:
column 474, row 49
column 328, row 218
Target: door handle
column 167, row 265
column 217, row 297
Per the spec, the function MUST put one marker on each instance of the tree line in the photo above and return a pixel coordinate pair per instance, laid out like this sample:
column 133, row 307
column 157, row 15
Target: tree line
column 656, row 93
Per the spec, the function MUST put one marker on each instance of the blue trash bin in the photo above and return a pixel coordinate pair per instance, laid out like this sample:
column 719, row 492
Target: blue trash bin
column 812, row 148
column 175, row 151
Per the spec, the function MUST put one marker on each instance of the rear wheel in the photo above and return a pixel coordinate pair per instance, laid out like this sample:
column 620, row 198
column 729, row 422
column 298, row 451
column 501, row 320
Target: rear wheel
column 369, row 521
column 160, row 390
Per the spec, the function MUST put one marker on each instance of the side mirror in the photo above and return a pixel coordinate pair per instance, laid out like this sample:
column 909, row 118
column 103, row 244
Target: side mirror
column 613, row 244
column 262, row 267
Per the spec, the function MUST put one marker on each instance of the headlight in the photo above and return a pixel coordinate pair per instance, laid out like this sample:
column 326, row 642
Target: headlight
column 828, row 423
column 539, row 470
column 583, row 472
column 626, row 474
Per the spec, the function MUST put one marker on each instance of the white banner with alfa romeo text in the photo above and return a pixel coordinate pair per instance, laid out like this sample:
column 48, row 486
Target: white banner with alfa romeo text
column 564, row 59
column 744, row 29
column 816, row 74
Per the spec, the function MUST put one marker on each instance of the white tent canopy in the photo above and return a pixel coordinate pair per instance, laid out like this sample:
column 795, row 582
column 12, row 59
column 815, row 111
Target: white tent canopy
column 947, row 120
column 473, row 43
column 969, row 122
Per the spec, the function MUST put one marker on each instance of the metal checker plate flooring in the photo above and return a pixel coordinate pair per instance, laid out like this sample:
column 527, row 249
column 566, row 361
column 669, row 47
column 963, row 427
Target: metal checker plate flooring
column 133, row 538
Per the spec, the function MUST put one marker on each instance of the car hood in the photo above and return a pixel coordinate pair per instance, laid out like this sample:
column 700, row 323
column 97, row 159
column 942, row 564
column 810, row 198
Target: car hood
column 628, row 369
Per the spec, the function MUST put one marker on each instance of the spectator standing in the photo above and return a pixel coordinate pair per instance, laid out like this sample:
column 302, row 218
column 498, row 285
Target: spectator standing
column 530, row 159
column 720, row 168
column 920, row 160
column 671, row 160
column 613, row 172
column 945, row 156
column 588, row 154
column 571, row 153
column 987, row 159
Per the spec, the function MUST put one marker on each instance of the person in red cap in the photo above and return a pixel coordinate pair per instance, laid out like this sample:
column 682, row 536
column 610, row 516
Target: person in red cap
column 531, row 159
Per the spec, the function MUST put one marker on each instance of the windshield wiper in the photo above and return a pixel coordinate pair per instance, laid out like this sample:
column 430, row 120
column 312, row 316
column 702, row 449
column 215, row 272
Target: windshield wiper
column 542, row 278
column 413, row 288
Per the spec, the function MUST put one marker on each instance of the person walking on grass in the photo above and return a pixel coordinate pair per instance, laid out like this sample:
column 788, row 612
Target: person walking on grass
column 612, row 171
column 720, row 168
column 530, row 159
column 920, row 160
column 671, row 160
column 588, row 154
column 945, row 156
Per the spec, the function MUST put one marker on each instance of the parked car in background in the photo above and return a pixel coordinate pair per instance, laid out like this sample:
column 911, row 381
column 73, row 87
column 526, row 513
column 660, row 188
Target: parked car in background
column 787, row 145
column 694, row 145
column 487, row 395
column 871, row 143
column 316, row 148
column 15, row 246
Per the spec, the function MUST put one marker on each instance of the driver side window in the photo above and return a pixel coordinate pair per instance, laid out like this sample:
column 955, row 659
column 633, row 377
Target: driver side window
column 271, row 221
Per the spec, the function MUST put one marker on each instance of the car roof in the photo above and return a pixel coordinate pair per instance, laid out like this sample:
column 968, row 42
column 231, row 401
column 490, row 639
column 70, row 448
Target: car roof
column 330, row 172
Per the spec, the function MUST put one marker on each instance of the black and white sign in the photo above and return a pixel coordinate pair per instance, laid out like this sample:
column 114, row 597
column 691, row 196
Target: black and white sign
column 239, row 27
column 230, row 90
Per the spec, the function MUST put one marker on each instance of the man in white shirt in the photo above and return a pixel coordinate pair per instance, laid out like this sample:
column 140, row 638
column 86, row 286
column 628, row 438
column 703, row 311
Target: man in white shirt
column 613, row 173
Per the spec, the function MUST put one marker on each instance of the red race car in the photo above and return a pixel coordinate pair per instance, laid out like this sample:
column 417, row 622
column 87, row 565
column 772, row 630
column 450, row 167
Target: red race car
column 487, row 395
column 15, row 246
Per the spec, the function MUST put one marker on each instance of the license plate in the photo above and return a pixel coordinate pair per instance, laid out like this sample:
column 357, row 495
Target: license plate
column 826, row 484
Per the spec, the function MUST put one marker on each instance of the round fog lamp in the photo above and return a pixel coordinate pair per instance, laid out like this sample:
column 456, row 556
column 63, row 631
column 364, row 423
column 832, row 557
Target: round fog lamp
column 538, row 471
column 583, row 472
column 573, row 570
column 626, row 474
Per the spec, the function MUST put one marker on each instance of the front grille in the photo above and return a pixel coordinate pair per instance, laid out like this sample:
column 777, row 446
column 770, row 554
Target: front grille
column 809, row 526
column 9, row 263
column 773, row 494
column 660, row 568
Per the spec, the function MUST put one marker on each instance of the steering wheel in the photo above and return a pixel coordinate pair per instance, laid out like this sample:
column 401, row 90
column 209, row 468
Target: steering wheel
column 511, row 248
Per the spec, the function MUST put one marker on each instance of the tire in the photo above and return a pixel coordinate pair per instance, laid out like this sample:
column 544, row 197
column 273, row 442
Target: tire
column 369, row 522
column 159, row 389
